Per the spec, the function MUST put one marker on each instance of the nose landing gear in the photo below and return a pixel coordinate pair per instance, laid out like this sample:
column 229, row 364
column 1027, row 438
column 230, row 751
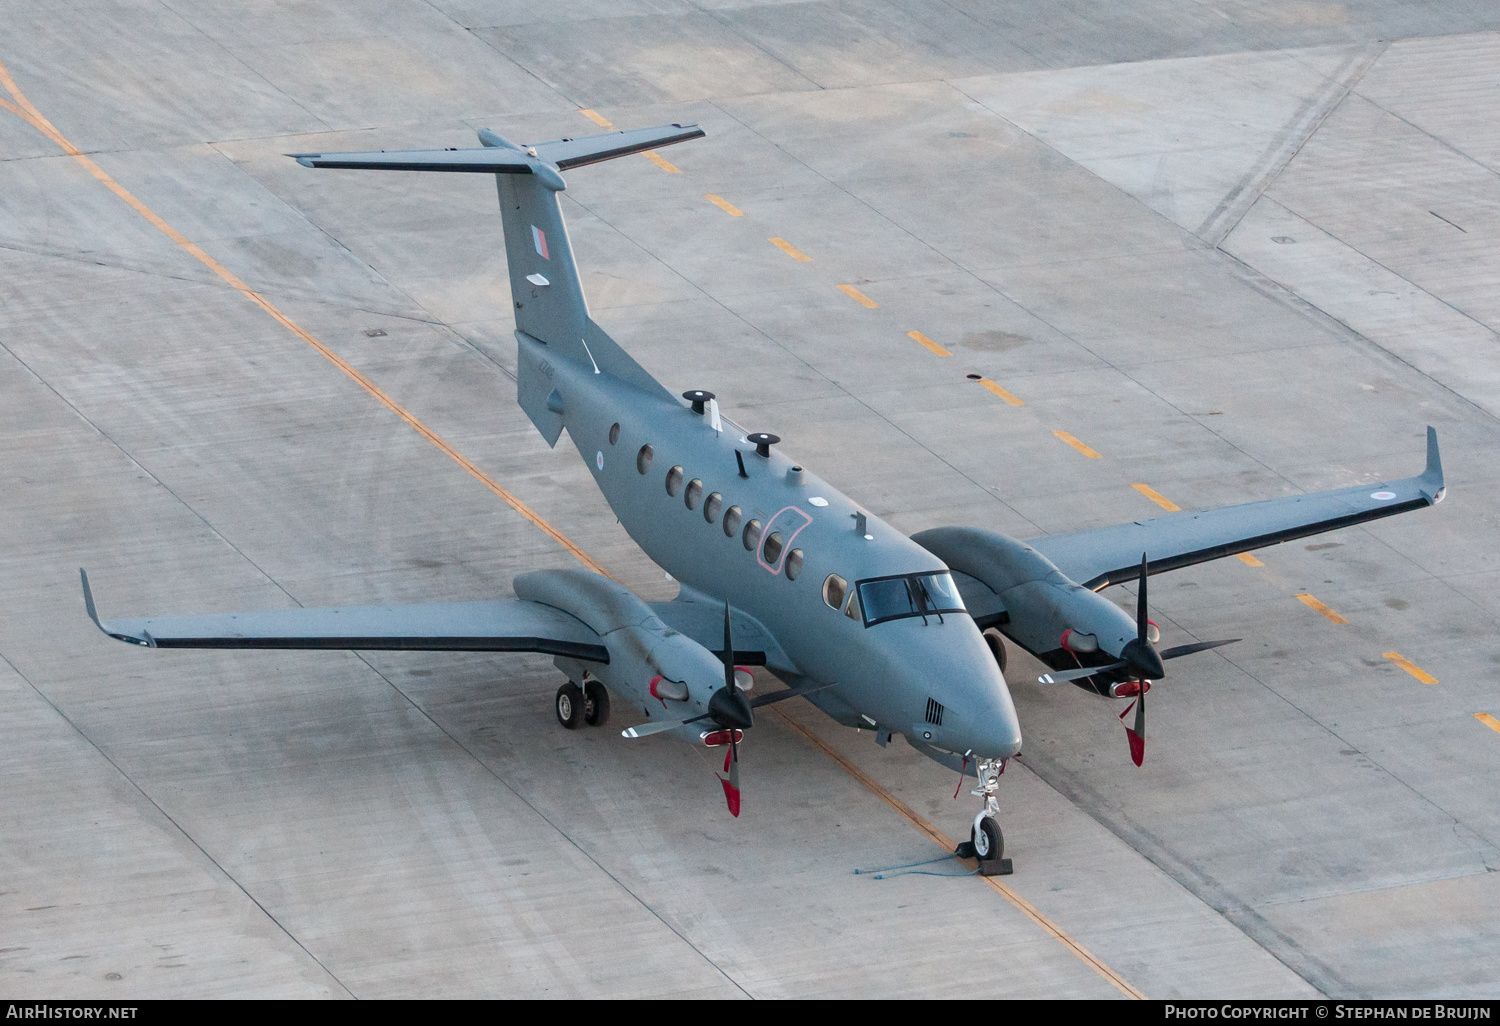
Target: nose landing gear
column 986, row 842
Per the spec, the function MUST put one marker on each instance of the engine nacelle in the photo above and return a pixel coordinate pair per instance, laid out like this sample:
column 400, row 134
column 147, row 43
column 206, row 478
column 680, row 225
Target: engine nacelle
column 1028, row 597
column 650, row 665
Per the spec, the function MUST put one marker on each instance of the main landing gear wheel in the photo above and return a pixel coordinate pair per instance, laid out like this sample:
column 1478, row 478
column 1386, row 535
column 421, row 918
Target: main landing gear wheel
column 595, row 704
column 570, row 703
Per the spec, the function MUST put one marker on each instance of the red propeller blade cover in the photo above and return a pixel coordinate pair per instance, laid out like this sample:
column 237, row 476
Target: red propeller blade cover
column 732, row 797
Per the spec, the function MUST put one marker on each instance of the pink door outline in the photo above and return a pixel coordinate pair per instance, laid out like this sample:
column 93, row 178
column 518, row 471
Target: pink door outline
column 786, row 546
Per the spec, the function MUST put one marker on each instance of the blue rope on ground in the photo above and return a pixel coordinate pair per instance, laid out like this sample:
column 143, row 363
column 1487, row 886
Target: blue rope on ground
column 911, row 869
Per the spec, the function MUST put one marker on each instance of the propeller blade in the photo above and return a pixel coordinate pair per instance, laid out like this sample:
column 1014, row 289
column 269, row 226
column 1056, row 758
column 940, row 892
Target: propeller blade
column 653, row 727
column 1140, row 605
column 728, row 651
column 1197, row 646
column 1060, row 676
column 782, row 696
column 1137, row 734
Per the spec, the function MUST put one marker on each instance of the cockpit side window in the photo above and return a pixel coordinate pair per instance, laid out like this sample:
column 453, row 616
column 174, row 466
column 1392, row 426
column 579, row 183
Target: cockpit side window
column 834, row 590
column 893, row 598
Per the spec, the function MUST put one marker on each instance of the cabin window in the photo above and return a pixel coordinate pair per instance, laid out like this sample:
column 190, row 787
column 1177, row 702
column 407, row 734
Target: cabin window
column 835, row 588
column 771, row 551
column 614, row 433
column 643, row 458
column 731, row 521
column 751, row 535
column 793, row 564
column 851, row 608
column 712, row 505
column 693, row 494
column 674, row 481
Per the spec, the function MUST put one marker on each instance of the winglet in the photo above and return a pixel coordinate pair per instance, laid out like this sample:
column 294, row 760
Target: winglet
column 88, row 599
column 145, row 640
column 1432, row 478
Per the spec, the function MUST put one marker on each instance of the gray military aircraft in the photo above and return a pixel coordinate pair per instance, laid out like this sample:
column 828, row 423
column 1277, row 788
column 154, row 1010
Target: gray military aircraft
column 777, row 568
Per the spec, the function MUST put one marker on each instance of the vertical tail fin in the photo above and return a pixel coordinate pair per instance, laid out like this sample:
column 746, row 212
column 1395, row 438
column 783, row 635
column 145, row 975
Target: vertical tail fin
column 550, row 306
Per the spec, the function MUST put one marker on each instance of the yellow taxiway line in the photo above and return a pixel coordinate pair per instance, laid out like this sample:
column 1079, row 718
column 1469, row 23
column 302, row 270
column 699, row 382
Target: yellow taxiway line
column 1003, row 394
column 1075, row 443
column 1157, row 497
column 1410, row 667
column 790, row 250
column 724, row 205
column 1488, row 721
column 1312, row 603
column 921, row 339
column 23, row 109
column 859, row 297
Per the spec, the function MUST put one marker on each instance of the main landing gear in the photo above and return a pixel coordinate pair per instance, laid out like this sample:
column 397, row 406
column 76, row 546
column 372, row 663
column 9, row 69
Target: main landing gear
column 588, row 704
column 986, row 843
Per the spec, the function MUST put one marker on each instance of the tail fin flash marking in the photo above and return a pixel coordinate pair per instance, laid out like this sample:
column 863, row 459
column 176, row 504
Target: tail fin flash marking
column 539, row 240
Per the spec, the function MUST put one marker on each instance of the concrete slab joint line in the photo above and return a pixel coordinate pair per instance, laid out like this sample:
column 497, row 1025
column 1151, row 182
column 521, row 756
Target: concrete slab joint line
column 1303, row 125
column 34, row 117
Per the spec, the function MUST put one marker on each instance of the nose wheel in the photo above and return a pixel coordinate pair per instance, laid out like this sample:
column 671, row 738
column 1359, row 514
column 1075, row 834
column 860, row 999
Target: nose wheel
column 986, row 842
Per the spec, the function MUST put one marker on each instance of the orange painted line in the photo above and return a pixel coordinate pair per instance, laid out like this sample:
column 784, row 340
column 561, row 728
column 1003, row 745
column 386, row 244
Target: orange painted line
column 1313, row 603
column 595, row 117
column 1157, row 497
column 1075, row 443
column 1247, row 559
column 1488, row 721
column 859, row 297
column 1002, row 393
column 1410, row 667
column 945, row 842
column 34, row 116
column 662, row 162
column 790, row 250
column 724, row 205
column 917, row 336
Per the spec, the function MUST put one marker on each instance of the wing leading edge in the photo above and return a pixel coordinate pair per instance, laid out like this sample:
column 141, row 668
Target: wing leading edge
column 1112, row 555
column 504, row 625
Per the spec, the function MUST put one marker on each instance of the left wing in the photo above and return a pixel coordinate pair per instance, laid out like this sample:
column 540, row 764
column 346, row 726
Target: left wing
column 505, row 625
column 1111, row 555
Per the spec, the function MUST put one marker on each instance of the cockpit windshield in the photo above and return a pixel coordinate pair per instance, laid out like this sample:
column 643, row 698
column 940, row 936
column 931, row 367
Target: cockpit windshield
column 924, row 595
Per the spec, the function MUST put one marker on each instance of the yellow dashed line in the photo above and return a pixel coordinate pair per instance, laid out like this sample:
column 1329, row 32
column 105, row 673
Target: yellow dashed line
column 1075, row 443
column 1488, row 721
column 1247, row 559
column 790, row 250
column 595, row 117
column 661, row 162
column 917, row 336
column 1002, row 393
column 945, row 842
column 1411, row 667
column 1313, row 603
column 859, row 297
column 724, row 205
column 1157, row 497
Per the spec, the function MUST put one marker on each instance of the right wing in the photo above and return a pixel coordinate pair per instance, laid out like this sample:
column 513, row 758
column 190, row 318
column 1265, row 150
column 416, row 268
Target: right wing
column 504, row 625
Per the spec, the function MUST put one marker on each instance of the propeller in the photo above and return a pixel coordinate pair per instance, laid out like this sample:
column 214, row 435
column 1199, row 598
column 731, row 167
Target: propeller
column 1143, row 662
column 1146, row 659
column 732, row 711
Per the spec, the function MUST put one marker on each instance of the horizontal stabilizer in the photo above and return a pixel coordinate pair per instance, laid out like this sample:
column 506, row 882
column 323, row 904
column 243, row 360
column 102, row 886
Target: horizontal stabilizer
column 505, row 158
